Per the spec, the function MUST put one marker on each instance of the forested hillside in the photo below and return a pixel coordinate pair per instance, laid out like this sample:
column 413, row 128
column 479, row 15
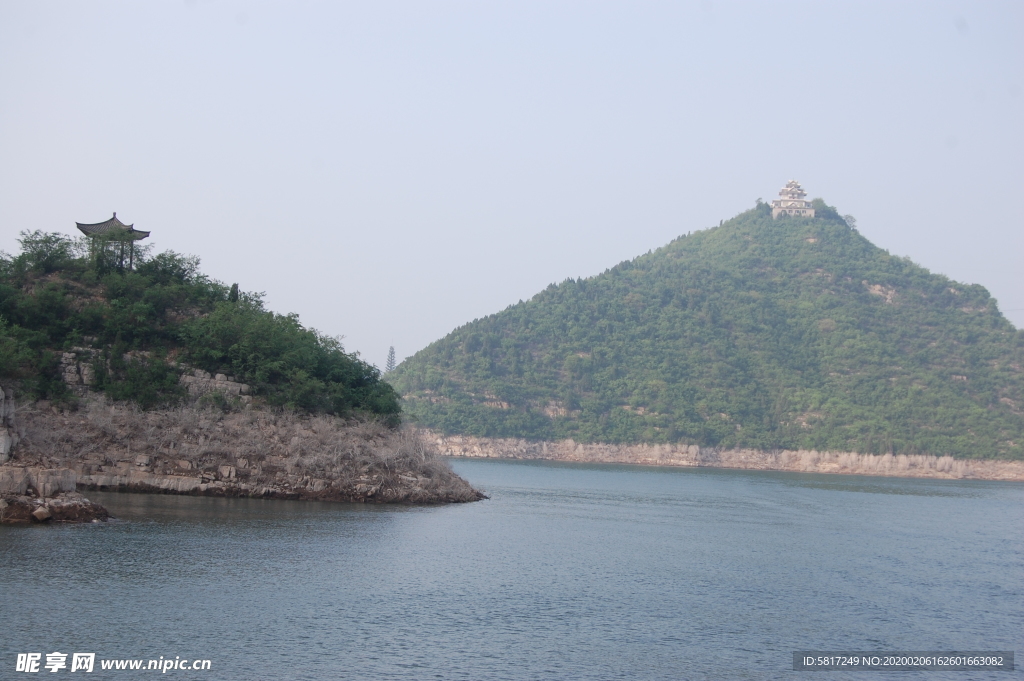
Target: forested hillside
column 145, row 325
column 773, row 334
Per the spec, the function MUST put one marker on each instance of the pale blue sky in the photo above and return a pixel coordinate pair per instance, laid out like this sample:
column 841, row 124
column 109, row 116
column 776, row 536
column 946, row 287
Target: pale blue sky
column 392, row 170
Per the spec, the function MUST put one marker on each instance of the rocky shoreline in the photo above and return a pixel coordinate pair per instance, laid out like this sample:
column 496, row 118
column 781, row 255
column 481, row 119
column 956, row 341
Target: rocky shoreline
column 849, row 463
column 30, row 494
column 405, row 487
column 51, row 454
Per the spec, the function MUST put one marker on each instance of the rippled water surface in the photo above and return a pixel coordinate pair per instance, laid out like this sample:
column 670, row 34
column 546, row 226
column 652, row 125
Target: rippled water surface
column 568, row 571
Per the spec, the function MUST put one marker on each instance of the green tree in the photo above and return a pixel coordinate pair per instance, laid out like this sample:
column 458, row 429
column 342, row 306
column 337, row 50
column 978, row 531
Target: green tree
column 47, row 252
column 57, row 296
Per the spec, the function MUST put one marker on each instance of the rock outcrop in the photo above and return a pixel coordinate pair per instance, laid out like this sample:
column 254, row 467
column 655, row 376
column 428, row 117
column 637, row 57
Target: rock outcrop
column 79, row 375
column 33, row 494
column 200, row 382
column 45, row 482
column 8, row 431
column 66, row 507
column 76, row 370
column 902, row 465
column 251, row 453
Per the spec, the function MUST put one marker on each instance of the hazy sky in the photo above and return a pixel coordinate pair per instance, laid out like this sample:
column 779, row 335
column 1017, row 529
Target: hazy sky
column 392, row 170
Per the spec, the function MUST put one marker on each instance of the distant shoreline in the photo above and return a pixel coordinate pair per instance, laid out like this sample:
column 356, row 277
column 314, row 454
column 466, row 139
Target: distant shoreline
column 692, row 456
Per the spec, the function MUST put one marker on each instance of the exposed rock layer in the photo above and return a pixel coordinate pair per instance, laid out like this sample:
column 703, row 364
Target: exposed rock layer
column 253, row 453
column 916, row 466
column 199, row 382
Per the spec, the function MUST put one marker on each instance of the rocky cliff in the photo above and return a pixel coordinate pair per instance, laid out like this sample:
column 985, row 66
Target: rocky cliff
column 207, row 451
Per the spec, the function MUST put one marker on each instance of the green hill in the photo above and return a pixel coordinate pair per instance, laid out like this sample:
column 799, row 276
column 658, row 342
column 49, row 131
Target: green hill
column 772, row 334
column 144, row 326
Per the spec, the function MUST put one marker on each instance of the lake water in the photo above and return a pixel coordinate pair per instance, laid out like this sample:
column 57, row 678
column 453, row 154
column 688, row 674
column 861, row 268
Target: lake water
column 567, row 572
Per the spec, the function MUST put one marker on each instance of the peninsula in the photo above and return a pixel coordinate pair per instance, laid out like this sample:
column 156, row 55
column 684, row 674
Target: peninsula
column 123, row 370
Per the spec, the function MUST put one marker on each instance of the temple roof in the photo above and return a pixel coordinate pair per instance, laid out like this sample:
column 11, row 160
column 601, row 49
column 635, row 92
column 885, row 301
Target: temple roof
column 111, row 225
column 792, row 190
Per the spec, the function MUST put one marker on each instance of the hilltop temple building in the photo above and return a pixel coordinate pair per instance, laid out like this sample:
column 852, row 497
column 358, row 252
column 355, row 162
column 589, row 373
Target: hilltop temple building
column 792, row 201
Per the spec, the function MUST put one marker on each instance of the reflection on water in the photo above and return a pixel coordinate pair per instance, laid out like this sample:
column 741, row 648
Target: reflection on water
column 569, row 571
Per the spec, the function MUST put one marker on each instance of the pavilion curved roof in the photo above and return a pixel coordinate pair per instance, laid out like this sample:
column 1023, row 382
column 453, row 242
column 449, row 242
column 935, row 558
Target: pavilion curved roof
column 109, row 226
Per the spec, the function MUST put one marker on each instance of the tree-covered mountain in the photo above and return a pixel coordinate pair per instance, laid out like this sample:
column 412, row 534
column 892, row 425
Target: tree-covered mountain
column 772, row 334
column 143, row 325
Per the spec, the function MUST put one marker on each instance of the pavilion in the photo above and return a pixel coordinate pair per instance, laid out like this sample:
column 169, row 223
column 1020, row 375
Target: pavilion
column 115, row 230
